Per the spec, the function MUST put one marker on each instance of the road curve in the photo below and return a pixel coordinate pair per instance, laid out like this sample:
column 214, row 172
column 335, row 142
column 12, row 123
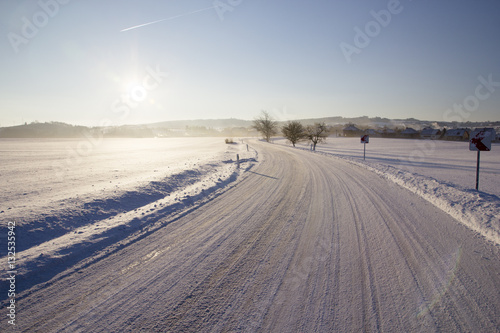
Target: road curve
column 304, row 243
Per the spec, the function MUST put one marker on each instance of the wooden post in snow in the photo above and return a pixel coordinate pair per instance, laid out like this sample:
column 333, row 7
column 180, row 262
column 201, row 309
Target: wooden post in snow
column 480, row 140
column 477, row 170
column 364, row 140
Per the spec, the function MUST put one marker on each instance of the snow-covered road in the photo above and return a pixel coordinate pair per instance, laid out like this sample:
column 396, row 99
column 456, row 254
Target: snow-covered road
column 303, row 243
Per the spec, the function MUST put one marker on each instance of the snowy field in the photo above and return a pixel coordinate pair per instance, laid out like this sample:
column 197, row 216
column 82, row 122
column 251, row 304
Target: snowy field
column 299, row 242
column 65, row 193
column 442, row 172
column 72, row 196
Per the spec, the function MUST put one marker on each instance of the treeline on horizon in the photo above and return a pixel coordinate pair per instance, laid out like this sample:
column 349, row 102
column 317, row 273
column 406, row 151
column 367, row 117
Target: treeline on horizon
column 63, row 130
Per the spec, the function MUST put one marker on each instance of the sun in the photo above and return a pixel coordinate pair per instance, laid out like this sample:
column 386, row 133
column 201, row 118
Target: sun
column 130, row 84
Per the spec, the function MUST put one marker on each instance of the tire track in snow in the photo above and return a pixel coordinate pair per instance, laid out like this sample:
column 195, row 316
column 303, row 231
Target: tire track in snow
column 418, row 252
column 271, row 231
column 401, row 239
column 369, row 293
column 275, row 253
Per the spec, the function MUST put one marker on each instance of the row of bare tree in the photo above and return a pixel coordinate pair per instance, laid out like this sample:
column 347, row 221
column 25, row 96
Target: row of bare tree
column 293, row 131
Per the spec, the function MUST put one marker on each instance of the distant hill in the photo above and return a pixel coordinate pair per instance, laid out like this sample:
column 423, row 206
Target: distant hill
column 211, row 127
column 43, row 130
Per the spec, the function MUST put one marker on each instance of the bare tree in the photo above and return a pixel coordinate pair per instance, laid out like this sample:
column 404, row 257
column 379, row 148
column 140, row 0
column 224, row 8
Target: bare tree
column 266, row 125
column 316, row 133
column 293, row 132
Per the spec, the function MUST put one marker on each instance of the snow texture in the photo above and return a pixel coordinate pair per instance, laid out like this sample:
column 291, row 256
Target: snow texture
column 66, row 200
column 442, row 172
column 301, row 242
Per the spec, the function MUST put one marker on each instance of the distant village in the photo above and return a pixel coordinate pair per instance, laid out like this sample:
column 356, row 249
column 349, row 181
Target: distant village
column 453, row 134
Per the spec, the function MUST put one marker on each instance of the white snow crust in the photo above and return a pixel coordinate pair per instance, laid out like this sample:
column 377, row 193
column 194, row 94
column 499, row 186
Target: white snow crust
column 442, row 172
column 68, row 195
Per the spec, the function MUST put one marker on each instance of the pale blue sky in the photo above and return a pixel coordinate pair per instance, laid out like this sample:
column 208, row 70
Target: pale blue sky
column 284, row 56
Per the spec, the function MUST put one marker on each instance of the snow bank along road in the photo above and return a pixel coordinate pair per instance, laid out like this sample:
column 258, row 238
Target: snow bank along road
column 442, row 172
column 303, row 243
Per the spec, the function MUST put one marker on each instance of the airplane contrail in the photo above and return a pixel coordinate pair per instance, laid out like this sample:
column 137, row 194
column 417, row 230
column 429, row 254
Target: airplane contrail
column 166, row 19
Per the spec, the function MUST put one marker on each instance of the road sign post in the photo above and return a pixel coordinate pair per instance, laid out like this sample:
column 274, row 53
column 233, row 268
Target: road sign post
column 480, row 140
column 477, row 170
column 364, row 140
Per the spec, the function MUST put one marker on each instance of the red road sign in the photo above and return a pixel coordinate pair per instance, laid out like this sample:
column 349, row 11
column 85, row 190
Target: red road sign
column 365, row 139
column 480, row 139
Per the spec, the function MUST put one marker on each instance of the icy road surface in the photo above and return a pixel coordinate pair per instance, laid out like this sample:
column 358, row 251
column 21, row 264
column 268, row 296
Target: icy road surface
column 441, row 172
column 303, row 243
